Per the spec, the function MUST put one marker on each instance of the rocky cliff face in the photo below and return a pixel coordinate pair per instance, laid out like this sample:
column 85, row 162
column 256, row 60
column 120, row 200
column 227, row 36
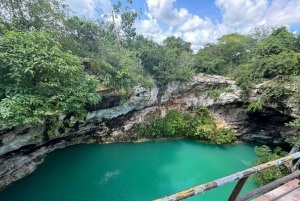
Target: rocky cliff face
column 22, row 148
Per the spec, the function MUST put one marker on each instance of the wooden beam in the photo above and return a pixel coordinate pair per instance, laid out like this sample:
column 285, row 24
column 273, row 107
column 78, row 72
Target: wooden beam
column 269, row 186
column 237, row 189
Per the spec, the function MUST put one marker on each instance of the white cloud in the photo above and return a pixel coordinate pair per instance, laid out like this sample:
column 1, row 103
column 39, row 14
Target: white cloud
column 81, row 6
column 195, row 22
column 251, row 13
column 164, row 11
column 88, row 6
column 149, row 26
column 202, row 36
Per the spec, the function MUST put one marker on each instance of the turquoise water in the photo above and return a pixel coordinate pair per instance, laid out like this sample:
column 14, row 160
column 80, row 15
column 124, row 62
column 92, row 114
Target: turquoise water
column 132, row 171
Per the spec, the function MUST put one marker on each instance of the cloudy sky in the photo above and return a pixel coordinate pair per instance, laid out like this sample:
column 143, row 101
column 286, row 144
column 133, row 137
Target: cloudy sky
column 203, row 21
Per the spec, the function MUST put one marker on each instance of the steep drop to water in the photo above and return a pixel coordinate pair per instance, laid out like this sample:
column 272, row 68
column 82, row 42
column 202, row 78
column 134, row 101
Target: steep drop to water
column 132, row 171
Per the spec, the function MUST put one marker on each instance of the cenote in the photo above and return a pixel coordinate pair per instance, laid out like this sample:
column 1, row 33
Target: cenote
column 132, row 171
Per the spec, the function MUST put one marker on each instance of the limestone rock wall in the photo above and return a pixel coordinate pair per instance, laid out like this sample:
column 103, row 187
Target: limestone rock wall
column 23, row 148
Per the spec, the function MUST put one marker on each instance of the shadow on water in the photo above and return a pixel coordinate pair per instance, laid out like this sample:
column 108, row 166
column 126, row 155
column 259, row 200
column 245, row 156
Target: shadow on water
column 131, row 171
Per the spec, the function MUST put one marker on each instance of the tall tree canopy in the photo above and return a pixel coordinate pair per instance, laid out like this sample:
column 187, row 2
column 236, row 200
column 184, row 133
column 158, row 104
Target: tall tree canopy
column 38, row 81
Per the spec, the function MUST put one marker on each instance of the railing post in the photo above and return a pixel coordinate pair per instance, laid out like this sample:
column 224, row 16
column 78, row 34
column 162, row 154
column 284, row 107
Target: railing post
column 237, row 189
column 268, row 186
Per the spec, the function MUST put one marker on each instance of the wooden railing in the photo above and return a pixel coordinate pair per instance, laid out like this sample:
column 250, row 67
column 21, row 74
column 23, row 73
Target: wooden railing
column 241, row 176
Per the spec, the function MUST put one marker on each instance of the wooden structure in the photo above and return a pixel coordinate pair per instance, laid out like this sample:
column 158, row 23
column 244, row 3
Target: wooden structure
column 287, row 192
column 242, row 178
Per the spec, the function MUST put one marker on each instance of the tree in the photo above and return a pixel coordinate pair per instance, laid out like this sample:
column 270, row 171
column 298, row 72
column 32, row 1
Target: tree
column 81, row 37
column 47, row 15
column 279, row 41
column 174, row 67
column 261, row 33
column 284, row 63
column 210, row 60
column 38, row 81
column 277, row 54
column 178, row 44
column 224, row 57
column 233, row 48
column 172, row 61
column 125, row 30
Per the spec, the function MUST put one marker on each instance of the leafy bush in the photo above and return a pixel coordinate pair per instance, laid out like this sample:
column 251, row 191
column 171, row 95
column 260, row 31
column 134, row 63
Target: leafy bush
column 205, row 125
column 201, row 126
column 224, row 136
column 38, row 81
column 265, row 154
column 255, row 105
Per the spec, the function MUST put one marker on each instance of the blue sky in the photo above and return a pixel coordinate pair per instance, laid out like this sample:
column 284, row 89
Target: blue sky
column 203, row 21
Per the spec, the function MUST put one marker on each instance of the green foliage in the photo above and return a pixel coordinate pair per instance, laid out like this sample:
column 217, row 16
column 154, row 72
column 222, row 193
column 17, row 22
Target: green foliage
column 261, row 33
column 173, row 61
column 233, row 47
column 296, row 81
column 174, row 67
column 294, row 140
column 224, row 136
column 204, row 125
column 265, row 53
column 265, row 154
column 215, row 93
column 118, row 66
column 121, row 69
column 198, row 91
column 201, row 126
column 209, row 60
column 255, row 105
column 177, row 44
column 284, row 63
column 273, row 91
column 223, row 57
column 277, row 90
column 295, row 123
column 128, row 16
column 40, row 78
column 38, row 81
column 279, row 41
column 81, row 36
column 119, row 57
column 174, row 124
column 23, row 15
column 151, row 55
column 247, row 75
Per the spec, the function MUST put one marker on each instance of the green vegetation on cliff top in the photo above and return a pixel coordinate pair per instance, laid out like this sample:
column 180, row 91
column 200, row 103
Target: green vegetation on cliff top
column 42, row 43
column 42, row 75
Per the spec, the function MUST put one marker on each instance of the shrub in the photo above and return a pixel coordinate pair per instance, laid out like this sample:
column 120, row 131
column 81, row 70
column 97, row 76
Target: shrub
column 265, row 154
column 201, row 126
column 38, row 81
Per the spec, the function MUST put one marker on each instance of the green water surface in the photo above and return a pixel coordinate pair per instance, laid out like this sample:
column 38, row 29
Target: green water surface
column 132, row 171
